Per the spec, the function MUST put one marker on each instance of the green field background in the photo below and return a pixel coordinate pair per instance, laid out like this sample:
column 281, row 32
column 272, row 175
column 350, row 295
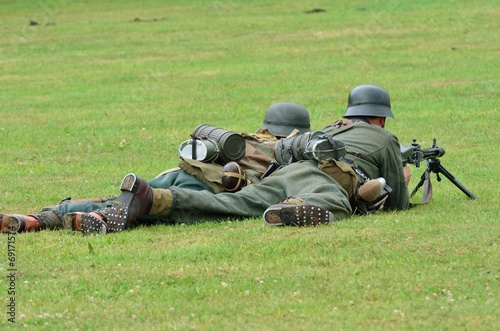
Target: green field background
column 93, row 90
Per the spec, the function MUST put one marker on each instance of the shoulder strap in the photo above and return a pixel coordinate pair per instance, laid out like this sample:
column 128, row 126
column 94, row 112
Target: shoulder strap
column 339, row 127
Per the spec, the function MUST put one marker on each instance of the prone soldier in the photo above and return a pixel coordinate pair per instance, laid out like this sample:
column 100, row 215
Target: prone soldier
column 281, row 120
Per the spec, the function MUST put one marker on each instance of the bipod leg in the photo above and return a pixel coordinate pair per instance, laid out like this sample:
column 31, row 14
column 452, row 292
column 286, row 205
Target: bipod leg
column 440, row 169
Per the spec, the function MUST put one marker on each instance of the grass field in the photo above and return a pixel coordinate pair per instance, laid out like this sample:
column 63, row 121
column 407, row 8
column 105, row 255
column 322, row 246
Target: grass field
column 90, row 91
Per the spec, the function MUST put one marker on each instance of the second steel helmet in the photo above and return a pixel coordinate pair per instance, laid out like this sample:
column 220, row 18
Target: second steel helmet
column 368, row 100
column 283, row 117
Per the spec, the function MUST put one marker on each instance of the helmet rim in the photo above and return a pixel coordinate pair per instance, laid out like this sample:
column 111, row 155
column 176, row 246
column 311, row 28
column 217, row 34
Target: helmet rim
column 369, row 110
column 279, row 129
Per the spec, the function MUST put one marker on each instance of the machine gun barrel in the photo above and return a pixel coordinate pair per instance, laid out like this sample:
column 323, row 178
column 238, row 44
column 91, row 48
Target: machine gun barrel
column 432, row 152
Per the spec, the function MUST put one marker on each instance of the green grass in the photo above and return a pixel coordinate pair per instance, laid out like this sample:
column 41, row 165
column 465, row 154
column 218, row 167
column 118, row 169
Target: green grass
column 91, row 94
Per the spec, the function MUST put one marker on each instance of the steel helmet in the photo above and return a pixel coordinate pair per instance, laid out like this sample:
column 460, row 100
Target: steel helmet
column 283, row 117
column 368, row 100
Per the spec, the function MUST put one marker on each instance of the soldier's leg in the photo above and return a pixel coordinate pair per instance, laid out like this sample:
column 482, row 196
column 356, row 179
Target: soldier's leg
column 10, row 223
column 72, row 212
column 49, row 218
column 178, row 178
column 85, row 206
column 302, row 180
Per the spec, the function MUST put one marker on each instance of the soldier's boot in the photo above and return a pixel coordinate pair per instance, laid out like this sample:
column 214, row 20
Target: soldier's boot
column 369, row 191
column 44, row 220
column 23, row 223
column 4, row 224
column 293, row 211
column 137, row 198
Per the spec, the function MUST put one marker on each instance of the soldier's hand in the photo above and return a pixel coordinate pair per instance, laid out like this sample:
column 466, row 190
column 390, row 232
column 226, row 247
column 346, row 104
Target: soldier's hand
column 407, row 174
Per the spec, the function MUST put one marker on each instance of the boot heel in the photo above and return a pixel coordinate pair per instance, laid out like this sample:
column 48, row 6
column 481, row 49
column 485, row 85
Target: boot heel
column 72, row 221
column 129, row 183
column 16, row 224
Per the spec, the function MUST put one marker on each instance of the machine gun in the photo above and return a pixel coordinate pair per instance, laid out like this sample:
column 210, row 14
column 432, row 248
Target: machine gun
column 414, row 154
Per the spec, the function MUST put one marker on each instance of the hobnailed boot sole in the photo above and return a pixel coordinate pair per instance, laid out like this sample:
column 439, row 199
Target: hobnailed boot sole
column 92, row 225
column 73, row 221
column 119, row 211
column 303, row 215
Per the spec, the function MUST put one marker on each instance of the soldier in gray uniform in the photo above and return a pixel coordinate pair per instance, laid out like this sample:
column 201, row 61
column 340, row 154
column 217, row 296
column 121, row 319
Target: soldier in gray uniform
column 297, row 194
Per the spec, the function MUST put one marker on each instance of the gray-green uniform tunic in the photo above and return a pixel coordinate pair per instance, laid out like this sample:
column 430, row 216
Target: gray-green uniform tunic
column 374, row 149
